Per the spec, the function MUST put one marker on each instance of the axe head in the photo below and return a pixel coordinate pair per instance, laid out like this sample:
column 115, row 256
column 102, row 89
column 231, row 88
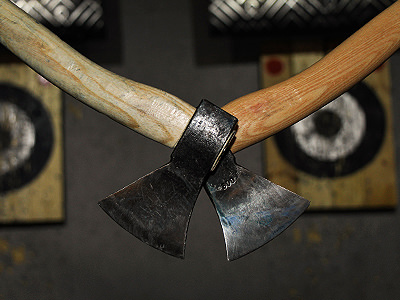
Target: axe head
column 157, row 207
column 252, row 210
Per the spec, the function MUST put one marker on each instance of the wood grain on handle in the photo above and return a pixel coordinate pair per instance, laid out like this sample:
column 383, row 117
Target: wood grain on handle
column 149, row 111
column 266, row 112
column 163, row 117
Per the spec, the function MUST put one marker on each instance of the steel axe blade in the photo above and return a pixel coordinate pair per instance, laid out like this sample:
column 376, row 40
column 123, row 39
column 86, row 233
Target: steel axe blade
column 157, row 207
column 252, row 210
column 163, row 117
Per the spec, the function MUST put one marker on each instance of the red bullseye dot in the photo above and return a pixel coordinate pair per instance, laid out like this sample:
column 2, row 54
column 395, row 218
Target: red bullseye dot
column 274, row 66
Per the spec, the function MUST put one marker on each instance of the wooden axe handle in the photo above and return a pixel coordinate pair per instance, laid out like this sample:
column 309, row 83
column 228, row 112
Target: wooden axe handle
column 163, row 117
column 266, row 112
column 147, row 110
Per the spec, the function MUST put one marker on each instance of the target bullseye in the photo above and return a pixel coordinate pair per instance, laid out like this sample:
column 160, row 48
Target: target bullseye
column 338, row 139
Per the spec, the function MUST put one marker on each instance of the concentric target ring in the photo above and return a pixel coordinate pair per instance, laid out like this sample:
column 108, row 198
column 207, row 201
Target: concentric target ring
column 333, row 132
column 340, row 138
column 26, row 137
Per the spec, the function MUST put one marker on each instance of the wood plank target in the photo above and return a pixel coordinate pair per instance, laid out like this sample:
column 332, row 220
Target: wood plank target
column 31, row 147
column 341, row 156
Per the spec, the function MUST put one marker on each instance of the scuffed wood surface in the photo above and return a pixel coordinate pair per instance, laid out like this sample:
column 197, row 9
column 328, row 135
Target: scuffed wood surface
column 40, row 200
column 163, row 117
column 147, row 110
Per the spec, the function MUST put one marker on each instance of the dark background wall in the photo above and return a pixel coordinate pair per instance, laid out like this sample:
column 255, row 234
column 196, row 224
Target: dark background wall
column 347, row 255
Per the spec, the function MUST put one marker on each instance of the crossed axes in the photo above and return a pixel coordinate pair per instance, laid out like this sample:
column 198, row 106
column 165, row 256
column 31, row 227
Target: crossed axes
column 252, row 210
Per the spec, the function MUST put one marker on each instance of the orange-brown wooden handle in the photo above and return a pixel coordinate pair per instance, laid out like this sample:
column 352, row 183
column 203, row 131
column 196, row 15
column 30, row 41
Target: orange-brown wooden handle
column 266, row 112
column 163, row 117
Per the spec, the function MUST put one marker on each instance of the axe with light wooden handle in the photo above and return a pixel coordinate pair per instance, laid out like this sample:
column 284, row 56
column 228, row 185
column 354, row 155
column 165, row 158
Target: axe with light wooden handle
column 163, row 117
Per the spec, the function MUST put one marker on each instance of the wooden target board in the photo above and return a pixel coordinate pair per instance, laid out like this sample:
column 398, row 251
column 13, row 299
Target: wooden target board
column 31, row 147
column 342, row 156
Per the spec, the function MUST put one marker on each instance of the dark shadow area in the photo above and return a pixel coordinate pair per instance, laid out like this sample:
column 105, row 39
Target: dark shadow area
column 230, row 32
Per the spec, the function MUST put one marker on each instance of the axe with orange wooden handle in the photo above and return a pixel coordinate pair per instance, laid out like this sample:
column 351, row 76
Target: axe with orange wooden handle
column 252, row 210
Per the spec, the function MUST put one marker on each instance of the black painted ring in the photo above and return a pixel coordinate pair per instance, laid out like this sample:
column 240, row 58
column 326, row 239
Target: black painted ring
column 39, row 119
column 362, row 155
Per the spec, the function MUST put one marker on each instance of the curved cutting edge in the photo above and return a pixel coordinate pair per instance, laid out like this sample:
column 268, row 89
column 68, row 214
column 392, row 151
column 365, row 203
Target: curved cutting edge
column 156, row 209
column 252, row 209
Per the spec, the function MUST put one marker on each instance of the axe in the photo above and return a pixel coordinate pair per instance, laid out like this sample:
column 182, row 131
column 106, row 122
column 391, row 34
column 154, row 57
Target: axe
column 164, row 118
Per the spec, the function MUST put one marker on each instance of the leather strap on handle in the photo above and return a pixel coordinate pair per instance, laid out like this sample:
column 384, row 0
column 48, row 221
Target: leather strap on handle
column 163, row 117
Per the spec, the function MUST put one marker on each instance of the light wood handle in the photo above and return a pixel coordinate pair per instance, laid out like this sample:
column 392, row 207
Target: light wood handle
column 163, row 117
column 266, row 112
column 147, row 110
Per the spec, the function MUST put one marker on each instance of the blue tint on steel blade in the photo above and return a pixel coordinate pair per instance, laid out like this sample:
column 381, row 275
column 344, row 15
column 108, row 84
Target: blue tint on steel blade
column 252, row 209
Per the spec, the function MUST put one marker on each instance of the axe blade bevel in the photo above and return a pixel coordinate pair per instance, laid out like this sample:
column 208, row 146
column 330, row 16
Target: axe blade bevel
column 252, row 210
